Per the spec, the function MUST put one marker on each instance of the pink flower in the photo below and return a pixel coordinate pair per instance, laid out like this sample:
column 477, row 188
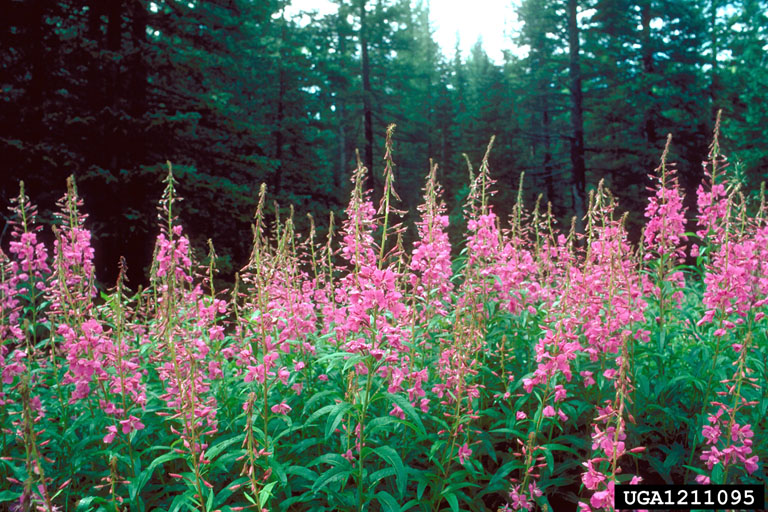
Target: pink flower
column 711, row 433
column 520, row 415
column 130, row 424
column 430, row 265
column 281, row 408
column 528, row 385
column 397, row 412
column 283, row 375
column 518, row 499
column 712, row 207
column 604, row 440
column 173, row 252
column 750, row 464
column 256, row 373
column 601, row 499
column 549, row 411
column 592, row 478
column 464, row 453
column 214, row 370
column 664, row 233
column 111, row 433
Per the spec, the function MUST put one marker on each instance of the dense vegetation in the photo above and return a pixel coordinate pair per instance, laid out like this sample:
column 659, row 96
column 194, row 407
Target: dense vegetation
column 535, row 371
column 237, row 93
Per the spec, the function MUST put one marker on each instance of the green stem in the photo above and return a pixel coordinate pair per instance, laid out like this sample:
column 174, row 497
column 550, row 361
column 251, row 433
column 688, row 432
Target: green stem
column 361, row 424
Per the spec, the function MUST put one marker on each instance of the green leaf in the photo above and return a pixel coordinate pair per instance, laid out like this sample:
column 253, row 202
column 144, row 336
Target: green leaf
column 302, row 446
column 490, row 450
column 388, row 502
column 302, row 472
column 225, row 493
column 717, row 474
column 408, row 409
column 279, row 470
column 380, row 474
column 560, row 447
column 265, row 494
column 137, row 484
column 422, row 485
column 250, row 498
column 334, row 459
column 209, row 502
column 335, row 417
column 452, row 500
column 10, row 496
column 380, row 423
column 463, row 479
column 178, row 502
column 219, row 447
column 502, row 472
column 698, row 471
column 659, row 467
column 550, row 459
column 336, row 474
column 85, row 504
column 391, row 457
column 317, row 397
column 320, row 412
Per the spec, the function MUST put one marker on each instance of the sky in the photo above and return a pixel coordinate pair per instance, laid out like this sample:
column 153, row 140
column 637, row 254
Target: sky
column 492, row 20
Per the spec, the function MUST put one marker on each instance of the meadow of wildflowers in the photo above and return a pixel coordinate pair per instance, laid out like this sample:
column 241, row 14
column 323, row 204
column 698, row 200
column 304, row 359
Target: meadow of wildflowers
column 534, row 371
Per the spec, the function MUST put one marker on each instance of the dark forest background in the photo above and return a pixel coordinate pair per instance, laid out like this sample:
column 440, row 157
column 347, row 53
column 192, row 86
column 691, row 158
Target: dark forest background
column 235, row 93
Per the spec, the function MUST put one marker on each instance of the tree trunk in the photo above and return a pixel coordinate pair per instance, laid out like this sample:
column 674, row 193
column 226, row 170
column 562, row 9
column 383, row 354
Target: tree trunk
column 278, row 132
column 113, row 142
column 342, row 119
column 114, row 44
column 578, row 186
column 648, row 69
column 95, row 86
column 39, row 83
column 95, row 11
column 443, row 154
column 547, row 153
column 337, row 176
column 367, row 113
column 114, row 40
column 139, row 17
column 138, row 79
column 278, row 176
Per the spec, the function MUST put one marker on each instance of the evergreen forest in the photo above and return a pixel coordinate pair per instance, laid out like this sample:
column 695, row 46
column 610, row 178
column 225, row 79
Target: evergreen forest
column 236, row 93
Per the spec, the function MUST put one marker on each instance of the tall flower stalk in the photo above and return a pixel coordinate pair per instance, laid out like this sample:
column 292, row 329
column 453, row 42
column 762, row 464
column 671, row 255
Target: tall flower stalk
column 23, row 286
column 736, row 297
column 184, row 328
column 664, row 238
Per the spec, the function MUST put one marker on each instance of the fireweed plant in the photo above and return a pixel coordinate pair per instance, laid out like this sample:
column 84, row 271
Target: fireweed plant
column 535, row 369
